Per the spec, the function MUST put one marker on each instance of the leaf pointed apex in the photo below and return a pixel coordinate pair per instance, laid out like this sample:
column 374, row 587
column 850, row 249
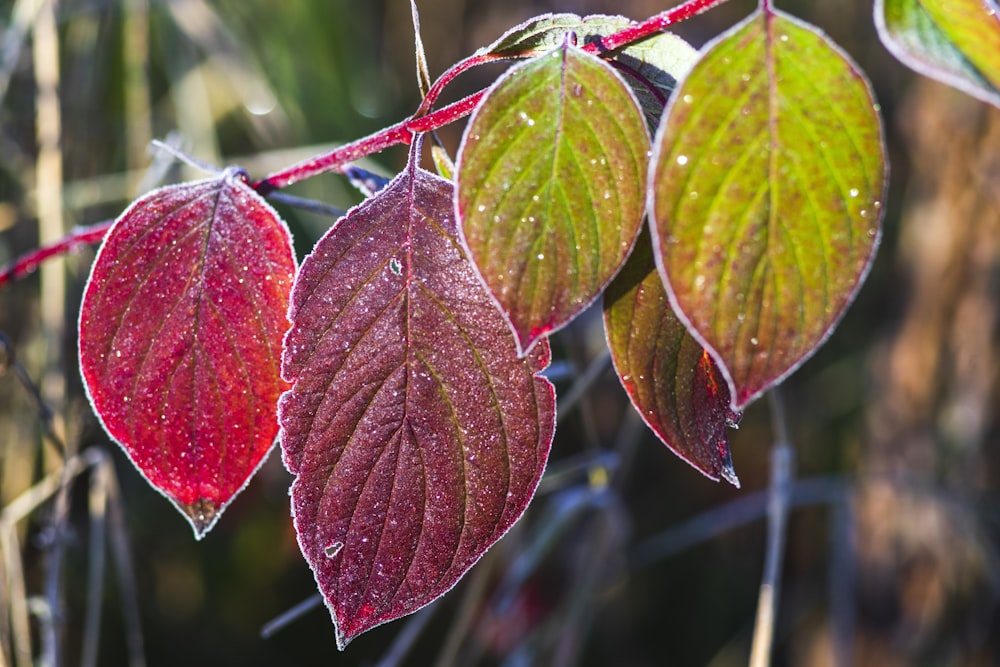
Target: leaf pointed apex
column 202, row 514
column 727, row 471
column 179, row 337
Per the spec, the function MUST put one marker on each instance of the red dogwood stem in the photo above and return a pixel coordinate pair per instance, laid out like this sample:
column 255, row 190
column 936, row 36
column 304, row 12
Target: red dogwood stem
column 402, row 133
column 25, row 264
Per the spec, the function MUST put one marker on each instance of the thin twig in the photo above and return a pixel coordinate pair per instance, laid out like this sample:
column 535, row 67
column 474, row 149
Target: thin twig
column 20, row 649
column 19, row 508
column 97, row 503
column 308, row 205
column 123, row 565
column 408, row 636
column 842, row 580
column 606, row 536
column 423, row 73
column 472, row 598
column 777, row 519
column 285, row 618
column 45, row 412
column 21, row 20
column 741, row 512
column 26, row 264
column 590, row 375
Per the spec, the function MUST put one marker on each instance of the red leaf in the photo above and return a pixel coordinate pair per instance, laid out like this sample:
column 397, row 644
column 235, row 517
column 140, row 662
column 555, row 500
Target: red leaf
column 417, row 434
column 180, row 333
column 671, row 380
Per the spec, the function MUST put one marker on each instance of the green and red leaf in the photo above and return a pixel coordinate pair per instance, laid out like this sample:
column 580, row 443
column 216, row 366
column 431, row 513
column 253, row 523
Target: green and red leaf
column 551, row 178
column 767, row 180
column 956, row 42
column 672, row 381
column 652, row 65
column 180, row 338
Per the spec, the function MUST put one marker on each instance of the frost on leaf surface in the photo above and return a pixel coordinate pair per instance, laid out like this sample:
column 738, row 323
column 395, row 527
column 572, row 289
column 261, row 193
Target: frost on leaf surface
column 180, row 338
column 660, row 59
column 768, row 177
column 551, row 183
column 671, row 380
column 416, row 433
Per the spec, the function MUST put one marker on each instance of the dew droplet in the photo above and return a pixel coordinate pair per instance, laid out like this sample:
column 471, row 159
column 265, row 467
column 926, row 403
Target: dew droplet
column 754, row 341
column 481, row 208
column 688, row 99
column 854, row 192
column 699, row 282
column 541, row 255
column 682, row 160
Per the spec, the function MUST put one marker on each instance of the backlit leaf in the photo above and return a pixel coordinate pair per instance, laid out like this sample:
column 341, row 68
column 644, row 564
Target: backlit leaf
column 551, row 176
column 661, row 59
column 180, row 338
column 416, row 433
column 956, row 42
column 671, row 379
column 768, row 179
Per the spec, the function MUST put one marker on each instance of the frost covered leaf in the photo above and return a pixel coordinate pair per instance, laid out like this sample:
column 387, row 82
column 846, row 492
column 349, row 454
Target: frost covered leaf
column 956, row 42
column 768, row 178
column 671, row 379
column 660, row 59
column 551, row 180
column 180, row 338
column 416, row 433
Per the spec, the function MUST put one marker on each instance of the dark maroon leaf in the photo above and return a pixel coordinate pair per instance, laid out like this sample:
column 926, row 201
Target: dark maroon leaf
column 180, row 338
column 672, row 380
column 416, row 433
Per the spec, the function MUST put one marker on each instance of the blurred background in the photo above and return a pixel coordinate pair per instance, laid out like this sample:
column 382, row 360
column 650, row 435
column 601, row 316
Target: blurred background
column 627, row 556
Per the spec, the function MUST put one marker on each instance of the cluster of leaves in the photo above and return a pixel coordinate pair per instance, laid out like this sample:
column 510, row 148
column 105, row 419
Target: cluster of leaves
column 402, row 362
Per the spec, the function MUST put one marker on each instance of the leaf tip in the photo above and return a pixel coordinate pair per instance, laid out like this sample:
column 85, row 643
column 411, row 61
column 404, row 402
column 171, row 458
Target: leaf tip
column 202, row 514
column 726, row 470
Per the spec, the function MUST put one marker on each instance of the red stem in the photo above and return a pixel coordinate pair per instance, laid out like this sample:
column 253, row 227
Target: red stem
column 402, row 133
column 435, row 90
column 25, row 264
column 656, row 23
